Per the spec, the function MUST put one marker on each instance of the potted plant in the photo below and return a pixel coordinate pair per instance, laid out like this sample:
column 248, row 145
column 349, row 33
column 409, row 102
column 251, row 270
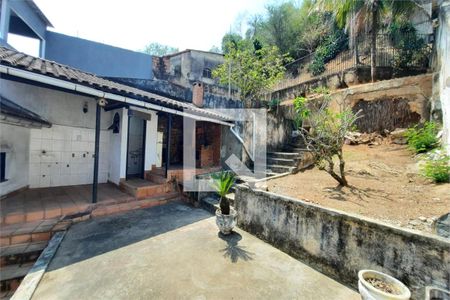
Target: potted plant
column 225, row 215
column 374, row 285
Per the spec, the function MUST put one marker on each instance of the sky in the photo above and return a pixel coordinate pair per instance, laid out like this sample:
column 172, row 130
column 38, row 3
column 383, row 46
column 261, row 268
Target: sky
column 132, row 24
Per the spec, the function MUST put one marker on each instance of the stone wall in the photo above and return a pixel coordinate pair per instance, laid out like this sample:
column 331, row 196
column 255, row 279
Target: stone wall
column 340, row 80
column 388, row 104
column 340, row 244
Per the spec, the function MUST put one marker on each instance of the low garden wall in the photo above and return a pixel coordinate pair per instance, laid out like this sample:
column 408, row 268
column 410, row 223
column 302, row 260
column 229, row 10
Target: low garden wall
column 340, row 244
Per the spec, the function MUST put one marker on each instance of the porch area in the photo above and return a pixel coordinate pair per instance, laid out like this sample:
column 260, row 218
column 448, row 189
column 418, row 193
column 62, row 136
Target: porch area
column 55, row 203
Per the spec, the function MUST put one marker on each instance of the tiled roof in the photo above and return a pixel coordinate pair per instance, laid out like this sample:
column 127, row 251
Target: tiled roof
column 53, row 69
column 10, row 108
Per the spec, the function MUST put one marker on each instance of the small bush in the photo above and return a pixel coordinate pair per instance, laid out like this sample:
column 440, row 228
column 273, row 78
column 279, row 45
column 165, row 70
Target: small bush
column 273, row 103
column 422, row 138
column 437, row 167
column 328, row 49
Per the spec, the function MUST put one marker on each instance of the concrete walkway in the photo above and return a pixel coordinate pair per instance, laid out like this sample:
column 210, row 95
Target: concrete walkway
column 175, row 252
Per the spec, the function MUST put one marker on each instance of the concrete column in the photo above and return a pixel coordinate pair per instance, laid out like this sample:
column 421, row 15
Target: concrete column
column 42, row 48
column 4, row 20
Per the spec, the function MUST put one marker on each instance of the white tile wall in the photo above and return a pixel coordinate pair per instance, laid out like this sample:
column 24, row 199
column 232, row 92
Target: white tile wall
column 63, row 155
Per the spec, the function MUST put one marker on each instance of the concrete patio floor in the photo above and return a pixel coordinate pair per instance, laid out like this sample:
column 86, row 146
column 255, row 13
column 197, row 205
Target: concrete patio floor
column 174, row 251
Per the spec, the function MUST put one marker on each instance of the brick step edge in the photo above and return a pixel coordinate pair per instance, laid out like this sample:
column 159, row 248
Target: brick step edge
column 21, row 253
column 34, row 276
column 136, row 204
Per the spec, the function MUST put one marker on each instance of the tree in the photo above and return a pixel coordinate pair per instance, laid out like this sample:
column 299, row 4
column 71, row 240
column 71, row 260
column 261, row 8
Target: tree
column 252, row 71
column 357, row 15
column 231, row 40
column 158, row 49
column 326, row 136
column 215, row 49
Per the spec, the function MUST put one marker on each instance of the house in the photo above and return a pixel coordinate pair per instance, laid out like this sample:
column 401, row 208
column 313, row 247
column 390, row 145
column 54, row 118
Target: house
column 89, row 129
column 100, row 113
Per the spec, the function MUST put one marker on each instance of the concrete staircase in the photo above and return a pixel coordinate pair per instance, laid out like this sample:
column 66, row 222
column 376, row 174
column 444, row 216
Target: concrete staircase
column 290, row 158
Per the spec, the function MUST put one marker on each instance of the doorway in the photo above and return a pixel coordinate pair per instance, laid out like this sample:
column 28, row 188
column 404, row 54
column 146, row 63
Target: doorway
column 136, row 147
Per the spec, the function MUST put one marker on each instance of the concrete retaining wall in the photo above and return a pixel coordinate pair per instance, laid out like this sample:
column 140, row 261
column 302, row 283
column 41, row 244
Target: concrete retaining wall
column 340, row 244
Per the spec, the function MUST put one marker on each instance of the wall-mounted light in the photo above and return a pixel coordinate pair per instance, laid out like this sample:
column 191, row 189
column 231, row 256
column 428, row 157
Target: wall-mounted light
column 85, row 107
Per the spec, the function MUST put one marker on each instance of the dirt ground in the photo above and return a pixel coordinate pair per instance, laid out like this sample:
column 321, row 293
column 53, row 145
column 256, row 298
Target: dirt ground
column 385, row 184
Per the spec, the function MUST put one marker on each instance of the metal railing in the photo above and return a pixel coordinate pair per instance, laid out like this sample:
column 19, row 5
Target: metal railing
column 391, row 52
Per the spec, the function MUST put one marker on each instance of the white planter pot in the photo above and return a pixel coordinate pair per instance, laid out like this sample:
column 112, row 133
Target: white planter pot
column 369, row 292
column 226, row 223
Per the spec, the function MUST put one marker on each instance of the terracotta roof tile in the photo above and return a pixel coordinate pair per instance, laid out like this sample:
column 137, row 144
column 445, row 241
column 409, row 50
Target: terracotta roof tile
column 26, row 62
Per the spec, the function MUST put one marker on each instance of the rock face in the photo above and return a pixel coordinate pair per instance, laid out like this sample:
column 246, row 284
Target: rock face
column 442, row 226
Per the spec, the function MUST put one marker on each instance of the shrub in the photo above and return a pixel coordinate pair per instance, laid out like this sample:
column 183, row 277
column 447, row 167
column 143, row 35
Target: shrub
column 328, row 49
column 301, row 111
column 273, row 103
column 326, row 138
column 437, row 167
column 412, row 50
column 422, row 138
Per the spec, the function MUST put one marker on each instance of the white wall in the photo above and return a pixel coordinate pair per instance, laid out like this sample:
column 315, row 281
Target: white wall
column 15, row 141
column 118, row 149
column 61, row 155
column 64, row 155
column 443, row 53
column 151, row 142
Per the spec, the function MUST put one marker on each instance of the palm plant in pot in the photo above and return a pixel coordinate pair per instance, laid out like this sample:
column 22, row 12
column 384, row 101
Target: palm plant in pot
column 225, row 215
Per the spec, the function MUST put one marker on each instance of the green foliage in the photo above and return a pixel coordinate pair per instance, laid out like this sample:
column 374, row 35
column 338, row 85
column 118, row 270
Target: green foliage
column 159, row 49
column 253, row 71
column 301, row 110
column 222, row 183
column 331, row 46
column 273, row 103
column 295, row 29
column 412, row 50
column 436, row 167
column 300, row 106
column 232, row 40
column 422, row 138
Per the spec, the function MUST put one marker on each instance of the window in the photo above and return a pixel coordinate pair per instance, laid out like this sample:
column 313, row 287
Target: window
column 207, row 73
column 2, row 166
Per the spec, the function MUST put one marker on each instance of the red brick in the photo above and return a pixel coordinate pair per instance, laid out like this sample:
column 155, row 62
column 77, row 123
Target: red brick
column 53, row 212
column 20, row 239
column 34, row 216
column 4, row 241
column 14, row 218
column 40, row 236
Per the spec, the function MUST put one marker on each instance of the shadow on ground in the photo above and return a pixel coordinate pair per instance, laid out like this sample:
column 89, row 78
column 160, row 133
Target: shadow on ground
column 233, row 250
column 100, row 235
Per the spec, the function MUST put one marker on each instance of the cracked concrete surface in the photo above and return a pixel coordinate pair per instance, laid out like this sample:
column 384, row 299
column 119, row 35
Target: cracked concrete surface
column 175, row 252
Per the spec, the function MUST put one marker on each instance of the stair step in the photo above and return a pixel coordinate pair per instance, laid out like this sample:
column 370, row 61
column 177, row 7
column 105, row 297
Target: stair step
column 21, row 253
column 280, row 168
column 15, row 271
column 21, row 233
column 156, row 178
column 142, row 189
column 136, row 204
column 283, row 154
column 282, row 161
column 298, row 150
